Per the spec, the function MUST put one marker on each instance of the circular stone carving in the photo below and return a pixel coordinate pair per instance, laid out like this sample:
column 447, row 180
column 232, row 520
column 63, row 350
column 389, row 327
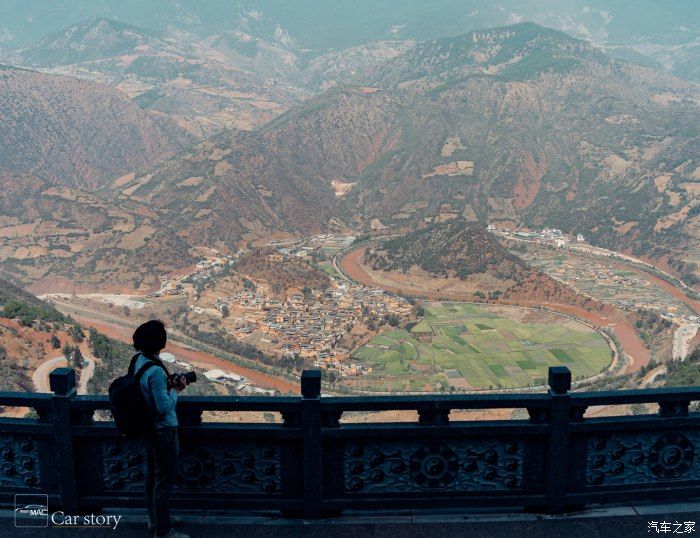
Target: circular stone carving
column 617, row 467
column 397, row 467
column 270, row 485
column 356, row 484
column 434, row 465
column 490, row 472
column 511, row 447
column 227, row 468
column 356, row 467
column 377, row 475
column 599, row 460
column 248, row 476
column 511, row 465
column 376, row 458
column 115, row 466
column 671, row 456
column 491, row 456
column 197, row 469
column 269, row 469
column 7, row 453
column 471, row 465
column 598, row 443
column 636, row 457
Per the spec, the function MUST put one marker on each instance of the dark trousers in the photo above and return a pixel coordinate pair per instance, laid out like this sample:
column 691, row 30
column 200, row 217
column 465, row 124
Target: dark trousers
column 161, row 468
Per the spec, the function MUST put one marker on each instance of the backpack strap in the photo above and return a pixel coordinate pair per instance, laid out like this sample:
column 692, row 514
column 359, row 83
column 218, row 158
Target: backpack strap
column 132, row 364
column 150, row 361
column 138, row 375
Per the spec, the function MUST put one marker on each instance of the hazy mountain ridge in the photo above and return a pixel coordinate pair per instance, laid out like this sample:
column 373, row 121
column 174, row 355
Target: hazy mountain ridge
column 201, row 88
column 95, row 39
column 657, row 29
column 538, row 142
column 77, row 132
column 351, row 64
column 490, row 52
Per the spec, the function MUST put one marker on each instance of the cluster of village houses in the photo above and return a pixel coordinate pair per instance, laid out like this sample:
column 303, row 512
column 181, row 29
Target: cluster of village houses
column 310, row 326
column 602, row 275
column 549, row 235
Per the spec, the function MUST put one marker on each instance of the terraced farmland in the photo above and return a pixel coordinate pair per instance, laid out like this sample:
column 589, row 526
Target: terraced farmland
column 469, row 346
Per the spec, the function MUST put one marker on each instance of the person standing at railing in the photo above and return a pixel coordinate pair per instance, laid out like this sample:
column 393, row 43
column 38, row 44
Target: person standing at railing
column 160, row 391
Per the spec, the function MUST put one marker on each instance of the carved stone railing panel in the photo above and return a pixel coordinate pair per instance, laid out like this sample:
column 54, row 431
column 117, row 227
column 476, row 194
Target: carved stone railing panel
column 314, row 464
column 19, row 461
column 416, row 465
column 232, row 467
column 642, row 458
column 123, row 465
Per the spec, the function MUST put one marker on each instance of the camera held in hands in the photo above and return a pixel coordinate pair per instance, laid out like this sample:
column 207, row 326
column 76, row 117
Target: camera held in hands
column 186, row 378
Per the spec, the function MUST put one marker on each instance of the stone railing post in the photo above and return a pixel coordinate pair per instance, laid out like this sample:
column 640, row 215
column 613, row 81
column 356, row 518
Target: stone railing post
column 311, row 430
column 62, row 383
column 557, row 468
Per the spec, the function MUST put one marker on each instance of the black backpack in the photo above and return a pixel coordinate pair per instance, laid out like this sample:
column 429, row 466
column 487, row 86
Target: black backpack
column 131, row 413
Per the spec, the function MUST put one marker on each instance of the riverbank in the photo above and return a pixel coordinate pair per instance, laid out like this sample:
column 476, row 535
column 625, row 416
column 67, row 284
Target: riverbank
column 632, row 344
column 122, row 330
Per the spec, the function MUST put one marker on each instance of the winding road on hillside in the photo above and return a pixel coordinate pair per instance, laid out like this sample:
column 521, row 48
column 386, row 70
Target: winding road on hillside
column 681, row 340
column 40, row 377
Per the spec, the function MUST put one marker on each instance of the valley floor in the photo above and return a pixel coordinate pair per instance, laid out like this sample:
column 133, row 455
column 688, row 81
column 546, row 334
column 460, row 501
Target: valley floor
column 351, row 264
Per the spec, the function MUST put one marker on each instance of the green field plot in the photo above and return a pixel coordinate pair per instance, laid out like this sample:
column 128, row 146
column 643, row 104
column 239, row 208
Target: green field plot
column 327, row 267
column 484, row 346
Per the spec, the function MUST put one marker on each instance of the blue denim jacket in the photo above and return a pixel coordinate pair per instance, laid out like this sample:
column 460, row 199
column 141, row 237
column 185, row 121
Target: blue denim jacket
column 159, row 399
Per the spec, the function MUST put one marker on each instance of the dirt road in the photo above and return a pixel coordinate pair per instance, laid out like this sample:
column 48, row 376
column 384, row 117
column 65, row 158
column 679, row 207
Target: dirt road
column 681, row 340
column 40, row 377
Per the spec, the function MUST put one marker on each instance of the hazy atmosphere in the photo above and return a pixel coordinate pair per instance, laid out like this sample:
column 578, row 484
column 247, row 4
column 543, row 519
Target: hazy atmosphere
column 414, row 197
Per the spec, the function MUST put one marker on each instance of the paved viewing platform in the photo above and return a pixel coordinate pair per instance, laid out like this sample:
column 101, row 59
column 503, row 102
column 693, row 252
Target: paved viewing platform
column 556, row 473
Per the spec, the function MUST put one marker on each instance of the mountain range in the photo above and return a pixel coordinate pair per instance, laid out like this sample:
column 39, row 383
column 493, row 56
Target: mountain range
column 205, row 86
column 664, row 33
column 520, row 125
